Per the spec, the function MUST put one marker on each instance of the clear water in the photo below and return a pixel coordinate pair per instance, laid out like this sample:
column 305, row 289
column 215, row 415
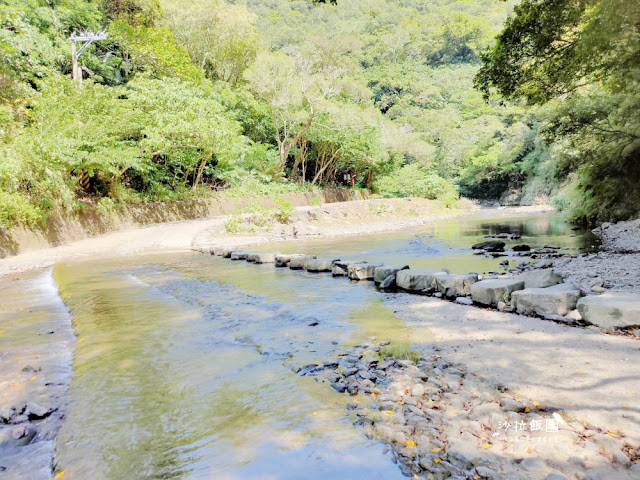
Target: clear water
column 182, row 366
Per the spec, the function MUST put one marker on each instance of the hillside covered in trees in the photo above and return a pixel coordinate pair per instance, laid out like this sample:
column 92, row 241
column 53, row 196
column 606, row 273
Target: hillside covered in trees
column 183, row 98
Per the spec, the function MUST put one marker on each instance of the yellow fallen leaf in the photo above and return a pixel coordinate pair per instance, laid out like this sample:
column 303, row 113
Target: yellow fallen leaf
column 436, row 460
column 410, row 443
column 59, row 475
column 535, row 404
column 527, row 409
column 602, row 451
column 580, row 370
column 436, row 449
column 612, row 435
column 374, row 395
column 81, row 339
column 388, row 412
column 485, row 445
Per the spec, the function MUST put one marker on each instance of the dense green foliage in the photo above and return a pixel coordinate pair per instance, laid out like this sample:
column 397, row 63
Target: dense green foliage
column 582, row 60
column 249, row 96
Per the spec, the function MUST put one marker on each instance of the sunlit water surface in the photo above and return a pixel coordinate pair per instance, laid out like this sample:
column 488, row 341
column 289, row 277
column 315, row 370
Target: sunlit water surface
column 183, row 362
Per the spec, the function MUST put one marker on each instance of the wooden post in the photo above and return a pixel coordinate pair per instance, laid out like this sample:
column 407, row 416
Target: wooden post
column 85, row 40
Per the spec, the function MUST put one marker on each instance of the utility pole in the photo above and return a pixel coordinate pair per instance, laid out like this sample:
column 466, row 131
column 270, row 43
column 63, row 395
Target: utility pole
column 84, row 39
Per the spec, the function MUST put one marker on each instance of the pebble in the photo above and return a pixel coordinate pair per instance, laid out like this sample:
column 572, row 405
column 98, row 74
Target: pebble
column 464, row 301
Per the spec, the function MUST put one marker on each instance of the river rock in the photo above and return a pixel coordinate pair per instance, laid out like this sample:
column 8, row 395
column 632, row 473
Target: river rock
column 416, row 279
column 282, row 260
column 464, row 301
column 238, row 255
column 219, row 251
column 319, row 264
column 226, row 252
column 251, row 257
column 388, row 282
column 611, row 310
column 362, row 271
column 340, row 267
column 493, row 291
column 383, row 272
column 541, row 278
column 298, row 261
column 489, row 246
column 265, row 258
column 521, row 248
column 556, row 300
column 454, row 285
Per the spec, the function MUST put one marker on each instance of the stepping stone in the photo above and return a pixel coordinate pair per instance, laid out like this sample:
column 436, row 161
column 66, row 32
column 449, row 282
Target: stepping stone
column 489, row 246
column 265, row 258
column 251, row 257
column 362, row 271
column 611, row 310
column 320, row 264
column 299, row 261
column 556, row 300
column 492, row 291
column 383, row 272
column 454, row 285
column 341, row 267
column 282, row 260
column 416, row 279
column 238, row 255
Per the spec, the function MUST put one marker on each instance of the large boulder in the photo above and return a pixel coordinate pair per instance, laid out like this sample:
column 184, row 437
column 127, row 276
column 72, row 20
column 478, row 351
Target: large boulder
column 611, row 310
column 265, row 258
column 383, row 272
column 489, row 246
column 319, row 264
column 362, row 271
column 541, row 278
column 238, row 255
column 454, row 285
column 416, row 279
column 298, row 261
column 492, row 291
column 556, row 300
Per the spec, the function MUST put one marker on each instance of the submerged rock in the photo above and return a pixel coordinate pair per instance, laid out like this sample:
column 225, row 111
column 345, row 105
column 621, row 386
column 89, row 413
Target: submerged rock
column 489, row 246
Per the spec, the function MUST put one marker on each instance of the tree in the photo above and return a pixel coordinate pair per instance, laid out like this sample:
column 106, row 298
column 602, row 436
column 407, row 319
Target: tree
column 295, row 89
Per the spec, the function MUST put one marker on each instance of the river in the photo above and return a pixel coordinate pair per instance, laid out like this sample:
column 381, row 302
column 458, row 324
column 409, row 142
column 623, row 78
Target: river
column 183, row 362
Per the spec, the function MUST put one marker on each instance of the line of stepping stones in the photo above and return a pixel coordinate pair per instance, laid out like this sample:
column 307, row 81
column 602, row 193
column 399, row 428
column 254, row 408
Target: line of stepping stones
column 539, row 292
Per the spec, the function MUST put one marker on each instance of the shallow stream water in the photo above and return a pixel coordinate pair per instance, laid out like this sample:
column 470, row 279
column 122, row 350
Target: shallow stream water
column 182, row 365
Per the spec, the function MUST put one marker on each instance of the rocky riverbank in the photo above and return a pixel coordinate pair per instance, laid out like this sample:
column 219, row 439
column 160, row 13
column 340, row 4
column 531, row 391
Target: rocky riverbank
column 442, row 421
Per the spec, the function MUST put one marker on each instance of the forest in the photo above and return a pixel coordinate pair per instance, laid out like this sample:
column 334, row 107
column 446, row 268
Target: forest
column 430, row 98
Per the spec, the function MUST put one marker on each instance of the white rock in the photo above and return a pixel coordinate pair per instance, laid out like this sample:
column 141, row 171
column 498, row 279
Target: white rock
column 495, row 291
column 611, row 310
column 454, row 285
column 416, row 279
column 557, row 300
column 541, row 278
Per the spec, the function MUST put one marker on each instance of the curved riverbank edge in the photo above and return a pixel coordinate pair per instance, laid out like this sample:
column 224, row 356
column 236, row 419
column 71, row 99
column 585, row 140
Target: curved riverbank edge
column 93, row 222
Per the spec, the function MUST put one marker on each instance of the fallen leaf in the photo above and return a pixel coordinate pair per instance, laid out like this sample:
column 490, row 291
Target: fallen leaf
column 410, row 443
column 535, row 404
column 436, row 449
column 374, row 395
column 612, row 435
column 436, row 460
column 485, row 445
column 527, row 409
column 59, row 475
column 388, row 412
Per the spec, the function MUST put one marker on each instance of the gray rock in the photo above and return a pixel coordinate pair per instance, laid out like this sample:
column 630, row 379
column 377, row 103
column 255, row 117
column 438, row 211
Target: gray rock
column 574, row 315
column 454, row 285
column 265, row 258
column 388, row 282
column 362, row 271
column 611, row 310
column 36, row 411
column 489, row 246
column 226, row 253
column 494, row 291
column 298, row 261
column 340, row 267
column 541, row 278
column 383, row 272
column 319, row 264
column 282, row 260
column 219, row 251
column 557, row 300
column 598, row 289
column 486, row 472
column 238, row 255
column 416, row 279
column 251, row 257
column 521, row 248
